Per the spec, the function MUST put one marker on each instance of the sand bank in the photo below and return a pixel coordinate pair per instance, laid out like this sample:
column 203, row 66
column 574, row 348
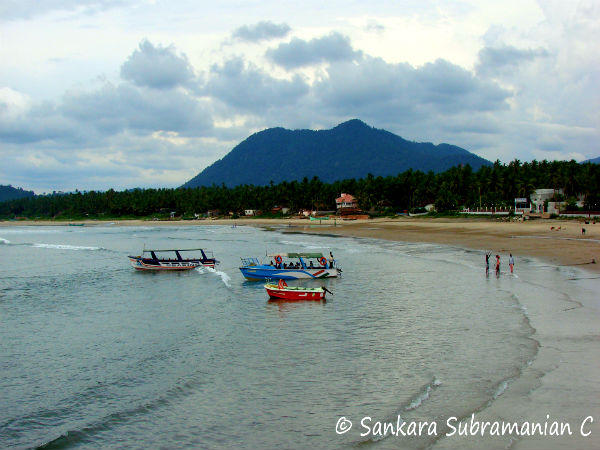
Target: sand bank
column 558, row 242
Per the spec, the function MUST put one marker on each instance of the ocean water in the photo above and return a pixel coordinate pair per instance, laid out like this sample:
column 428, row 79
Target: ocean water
column 95, row 355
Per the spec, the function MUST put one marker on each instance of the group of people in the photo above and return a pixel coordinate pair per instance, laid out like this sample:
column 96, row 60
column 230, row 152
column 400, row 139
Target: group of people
column 511, row 263
column 328, row 263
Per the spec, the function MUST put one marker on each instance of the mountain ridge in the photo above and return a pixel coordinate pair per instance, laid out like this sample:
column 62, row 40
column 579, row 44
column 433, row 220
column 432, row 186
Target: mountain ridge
column 8, row 192
column 351, row 149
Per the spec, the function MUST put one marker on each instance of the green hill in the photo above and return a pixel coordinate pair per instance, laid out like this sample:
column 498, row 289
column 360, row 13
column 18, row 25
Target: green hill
column 11, row 193
column 350, row 150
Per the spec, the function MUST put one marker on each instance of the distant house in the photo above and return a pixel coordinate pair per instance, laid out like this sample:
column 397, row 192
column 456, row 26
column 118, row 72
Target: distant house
column 545, row 201
column 280, row 209
column 250, row 212
column 346, row 201
column 539, row 197
column 347, row 204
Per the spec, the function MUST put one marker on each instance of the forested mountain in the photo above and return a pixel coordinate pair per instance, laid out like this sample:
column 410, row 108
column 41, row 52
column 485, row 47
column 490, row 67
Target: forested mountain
column 351, row 150
column 593, row 161
column 11, row 193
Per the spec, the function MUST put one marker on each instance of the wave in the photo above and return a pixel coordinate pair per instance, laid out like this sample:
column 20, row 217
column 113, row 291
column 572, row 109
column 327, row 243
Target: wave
column 424, row 395
column 65, row 246
column 51, row 246
column 224, row 277
column 33, row 230
column 85, row 433
column 400, row 416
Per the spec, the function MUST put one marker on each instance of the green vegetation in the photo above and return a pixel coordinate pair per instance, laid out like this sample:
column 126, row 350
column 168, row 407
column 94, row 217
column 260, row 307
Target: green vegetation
column 10, row 193
column 497, row 186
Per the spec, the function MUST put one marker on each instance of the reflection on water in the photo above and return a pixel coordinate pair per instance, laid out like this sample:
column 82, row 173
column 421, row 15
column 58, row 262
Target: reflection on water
column 98, row 355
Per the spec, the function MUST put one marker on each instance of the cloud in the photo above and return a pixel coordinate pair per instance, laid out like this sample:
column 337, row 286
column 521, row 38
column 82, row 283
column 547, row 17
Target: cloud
column 113, row 109
column 157, row 67
column 28, row 9
column 494, row 60
column 399, row 89
column 374, row 26
column 261, row 31
column 251, row 89
column 298, row 52
column 531, row 89
column 12, row 103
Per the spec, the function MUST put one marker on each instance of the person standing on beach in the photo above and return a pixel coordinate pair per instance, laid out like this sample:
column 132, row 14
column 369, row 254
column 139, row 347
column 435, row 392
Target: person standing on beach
column 511, row 262
column 497, row 264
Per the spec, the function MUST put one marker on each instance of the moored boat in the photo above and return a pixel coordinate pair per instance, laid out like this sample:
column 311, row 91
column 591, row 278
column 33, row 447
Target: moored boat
column 155, row 260
column 282, row 291
column 290, row 266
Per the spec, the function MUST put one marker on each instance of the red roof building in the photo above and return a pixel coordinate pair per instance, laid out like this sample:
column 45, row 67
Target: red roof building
column 346, row 201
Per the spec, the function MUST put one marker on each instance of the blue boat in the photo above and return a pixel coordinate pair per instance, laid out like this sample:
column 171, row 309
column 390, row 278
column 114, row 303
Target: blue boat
column 290, row 266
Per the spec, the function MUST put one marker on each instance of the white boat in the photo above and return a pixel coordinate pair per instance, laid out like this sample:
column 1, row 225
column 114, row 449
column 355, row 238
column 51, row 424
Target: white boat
column 155, row 260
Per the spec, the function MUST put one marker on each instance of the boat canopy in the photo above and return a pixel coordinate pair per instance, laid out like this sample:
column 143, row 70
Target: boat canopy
column 297, row 255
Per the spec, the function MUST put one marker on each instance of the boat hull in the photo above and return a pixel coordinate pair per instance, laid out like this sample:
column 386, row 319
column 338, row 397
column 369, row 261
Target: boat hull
column 294, row 293
column 257, row 273
column 161, row 266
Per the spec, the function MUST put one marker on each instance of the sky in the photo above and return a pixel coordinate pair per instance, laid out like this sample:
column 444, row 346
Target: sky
column 99, row 94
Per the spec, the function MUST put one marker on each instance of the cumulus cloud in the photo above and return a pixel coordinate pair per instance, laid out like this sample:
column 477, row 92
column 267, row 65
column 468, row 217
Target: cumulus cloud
column 261, row 31
column 157, row 67
column 494, row 60
column 113, row 109
column 298, row 52
column 12, row 103
column 400, row 89
column 251, row 89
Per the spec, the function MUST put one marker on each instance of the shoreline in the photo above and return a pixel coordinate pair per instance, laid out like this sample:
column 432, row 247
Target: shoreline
column 559, row 242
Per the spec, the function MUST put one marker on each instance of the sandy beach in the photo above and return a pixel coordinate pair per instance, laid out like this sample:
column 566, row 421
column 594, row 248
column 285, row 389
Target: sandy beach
column 559, row 242
column 562, row 381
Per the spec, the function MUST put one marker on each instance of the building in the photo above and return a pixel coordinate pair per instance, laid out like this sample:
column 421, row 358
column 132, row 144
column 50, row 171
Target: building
column 539, row 199
column 280, row 209
column 345, row 201
column 347, row 205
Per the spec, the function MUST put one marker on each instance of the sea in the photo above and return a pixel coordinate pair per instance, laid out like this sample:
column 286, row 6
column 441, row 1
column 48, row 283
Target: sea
column 96, row 355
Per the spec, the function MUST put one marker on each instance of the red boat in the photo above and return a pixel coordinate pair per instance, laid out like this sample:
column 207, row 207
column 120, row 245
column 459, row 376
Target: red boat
column 284, row 292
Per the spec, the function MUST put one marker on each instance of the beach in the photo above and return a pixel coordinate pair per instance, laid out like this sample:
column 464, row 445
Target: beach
column 558, row 242
column 561, row 383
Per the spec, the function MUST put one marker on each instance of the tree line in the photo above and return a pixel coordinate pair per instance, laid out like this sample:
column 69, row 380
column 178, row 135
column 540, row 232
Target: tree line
column 490, row 186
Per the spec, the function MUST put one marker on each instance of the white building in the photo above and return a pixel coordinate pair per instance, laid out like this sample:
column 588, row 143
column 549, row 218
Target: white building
column 540, row 196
